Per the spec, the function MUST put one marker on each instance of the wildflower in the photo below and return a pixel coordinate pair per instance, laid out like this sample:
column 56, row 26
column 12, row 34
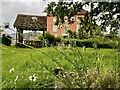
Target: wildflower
column 33, row 77
column 68, row 45
column 84, row 49
column 16, row 78
column 56, row 86
column 11, row 70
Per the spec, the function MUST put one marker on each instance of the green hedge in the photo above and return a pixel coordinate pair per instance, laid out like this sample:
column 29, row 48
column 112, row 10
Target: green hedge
column 89, row 43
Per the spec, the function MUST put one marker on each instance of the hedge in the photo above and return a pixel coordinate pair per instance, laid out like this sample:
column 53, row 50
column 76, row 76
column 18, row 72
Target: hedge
column 89, row 43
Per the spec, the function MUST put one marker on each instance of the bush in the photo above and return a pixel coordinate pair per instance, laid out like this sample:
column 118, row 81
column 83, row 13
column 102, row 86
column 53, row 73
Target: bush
column 6, row 40
column 51, row 39
column 72, row 34
column 58, row 39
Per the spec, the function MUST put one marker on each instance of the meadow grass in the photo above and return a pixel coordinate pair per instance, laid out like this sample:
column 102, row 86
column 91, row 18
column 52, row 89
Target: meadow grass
column 43, row 61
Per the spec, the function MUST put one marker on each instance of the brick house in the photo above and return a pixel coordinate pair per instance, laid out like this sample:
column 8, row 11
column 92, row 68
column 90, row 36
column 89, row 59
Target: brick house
column 58, row 30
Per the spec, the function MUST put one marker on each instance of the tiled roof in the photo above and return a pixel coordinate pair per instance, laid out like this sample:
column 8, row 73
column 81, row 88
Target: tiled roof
column 30, row 22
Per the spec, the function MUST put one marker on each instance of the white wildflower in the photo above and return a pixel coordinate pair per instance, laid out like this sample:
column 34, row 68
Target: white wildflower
column 84, row 49
column 33, row 77
column 56, row 86
column 68, row 45
column 11, row 70
column 16, row 78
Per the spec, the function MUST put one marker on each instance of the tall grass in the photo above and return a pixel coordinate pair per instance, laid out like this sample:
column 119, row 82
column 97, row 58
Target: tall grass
column 93, row 68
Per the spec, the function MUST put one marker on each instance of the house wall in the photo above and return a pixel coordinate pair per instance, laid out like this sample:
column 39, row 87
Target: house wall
column 60, row 31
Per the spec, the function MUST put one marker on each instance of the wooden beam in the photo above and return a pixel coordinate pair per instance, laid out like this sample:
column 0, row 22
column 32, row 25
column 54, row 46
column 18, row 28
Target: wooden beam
column 44, row 37
column 20, row 36
column 16, row 36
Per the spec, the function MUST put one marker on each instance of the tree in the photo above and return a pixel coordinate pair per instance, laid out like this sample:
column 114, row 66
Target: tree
column 62, row 9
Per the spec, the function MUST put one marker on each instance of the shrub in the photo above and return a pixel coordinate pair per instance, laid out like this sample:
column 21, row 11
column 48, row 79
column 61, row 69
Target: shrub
column 72, row 34
column 58, row 39
column 50, row 39
column 40, row 37
column 6, row 40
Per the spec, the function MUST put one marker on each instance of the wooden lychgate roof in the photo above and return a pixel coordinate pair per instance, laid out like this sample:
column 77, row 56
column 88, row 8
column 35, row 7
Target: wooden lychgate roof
column 30, row 22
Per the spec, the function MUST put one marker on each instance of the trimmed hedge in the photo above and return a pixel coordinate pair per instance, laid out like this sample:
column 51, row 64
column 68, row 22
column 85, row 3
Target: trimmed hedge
column 89, row 43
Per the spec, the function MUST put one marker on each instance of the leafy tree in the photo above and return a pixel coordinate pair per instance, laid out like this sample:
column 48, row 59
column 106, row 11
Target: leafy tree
column 62, row 9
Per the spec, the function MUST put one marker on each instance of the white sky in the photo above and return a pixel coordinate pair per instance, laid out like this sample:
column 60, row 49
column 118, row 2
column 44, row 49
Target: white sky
column 11, row 9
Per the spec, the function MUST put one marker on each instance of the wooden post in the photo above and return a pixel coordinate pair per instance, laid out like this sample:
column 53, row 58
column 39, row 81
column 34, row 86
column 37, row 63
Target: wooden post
column 20, row 36
column 16, row 36
column 43, row 37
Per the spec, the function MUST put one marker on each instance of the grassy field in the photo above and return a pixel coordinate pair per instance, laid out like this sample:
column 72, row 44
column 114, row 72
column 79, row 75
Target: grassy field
column 19, row 64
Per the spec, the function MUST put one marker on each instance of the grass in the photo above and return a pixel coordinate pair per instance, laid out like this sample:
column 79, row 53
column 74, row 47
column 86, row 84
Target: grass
column 43, row 61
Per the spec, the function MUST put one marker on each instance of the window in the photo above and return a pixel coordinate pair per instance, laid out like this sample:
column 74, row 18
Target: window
column 54, row 28
column 79, row 18
column 77, row 27
column 66, row 27
column 54, row 19
column 72, row 18
column 65, row 18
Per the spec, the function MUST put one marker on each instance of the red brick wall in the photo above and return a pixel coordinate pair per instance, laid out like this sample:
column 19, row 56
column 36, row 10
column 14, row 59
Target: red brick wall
column 60, row 31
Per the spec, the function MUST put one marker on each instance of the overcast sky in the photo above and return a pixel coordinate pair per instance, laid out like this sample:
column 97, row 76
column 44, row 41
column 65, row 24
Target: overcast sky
column 11, row 9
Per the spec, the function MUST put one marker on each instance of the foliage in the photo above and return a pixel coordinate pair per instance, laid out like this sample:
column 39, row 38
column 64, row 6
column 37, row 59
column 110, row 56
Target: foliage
column 82, row 34
column 40, row 37
column 6, row 40
column 101, row 43
column 51, row 39
column 72, row 34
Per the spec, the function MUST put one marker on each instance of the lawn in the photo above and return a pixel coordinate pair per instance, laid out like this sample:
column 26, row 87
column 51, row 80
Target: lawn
column 18, row 64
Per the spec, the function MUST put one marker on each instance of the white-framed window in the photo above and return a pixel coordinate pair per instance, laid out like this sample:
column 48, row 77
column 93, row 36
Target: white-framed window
column 65, row 18
column 77, row 27
column 72, row 18
column 79, row 18
column 66, row 27
column 54, row 28
column 54, row 19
